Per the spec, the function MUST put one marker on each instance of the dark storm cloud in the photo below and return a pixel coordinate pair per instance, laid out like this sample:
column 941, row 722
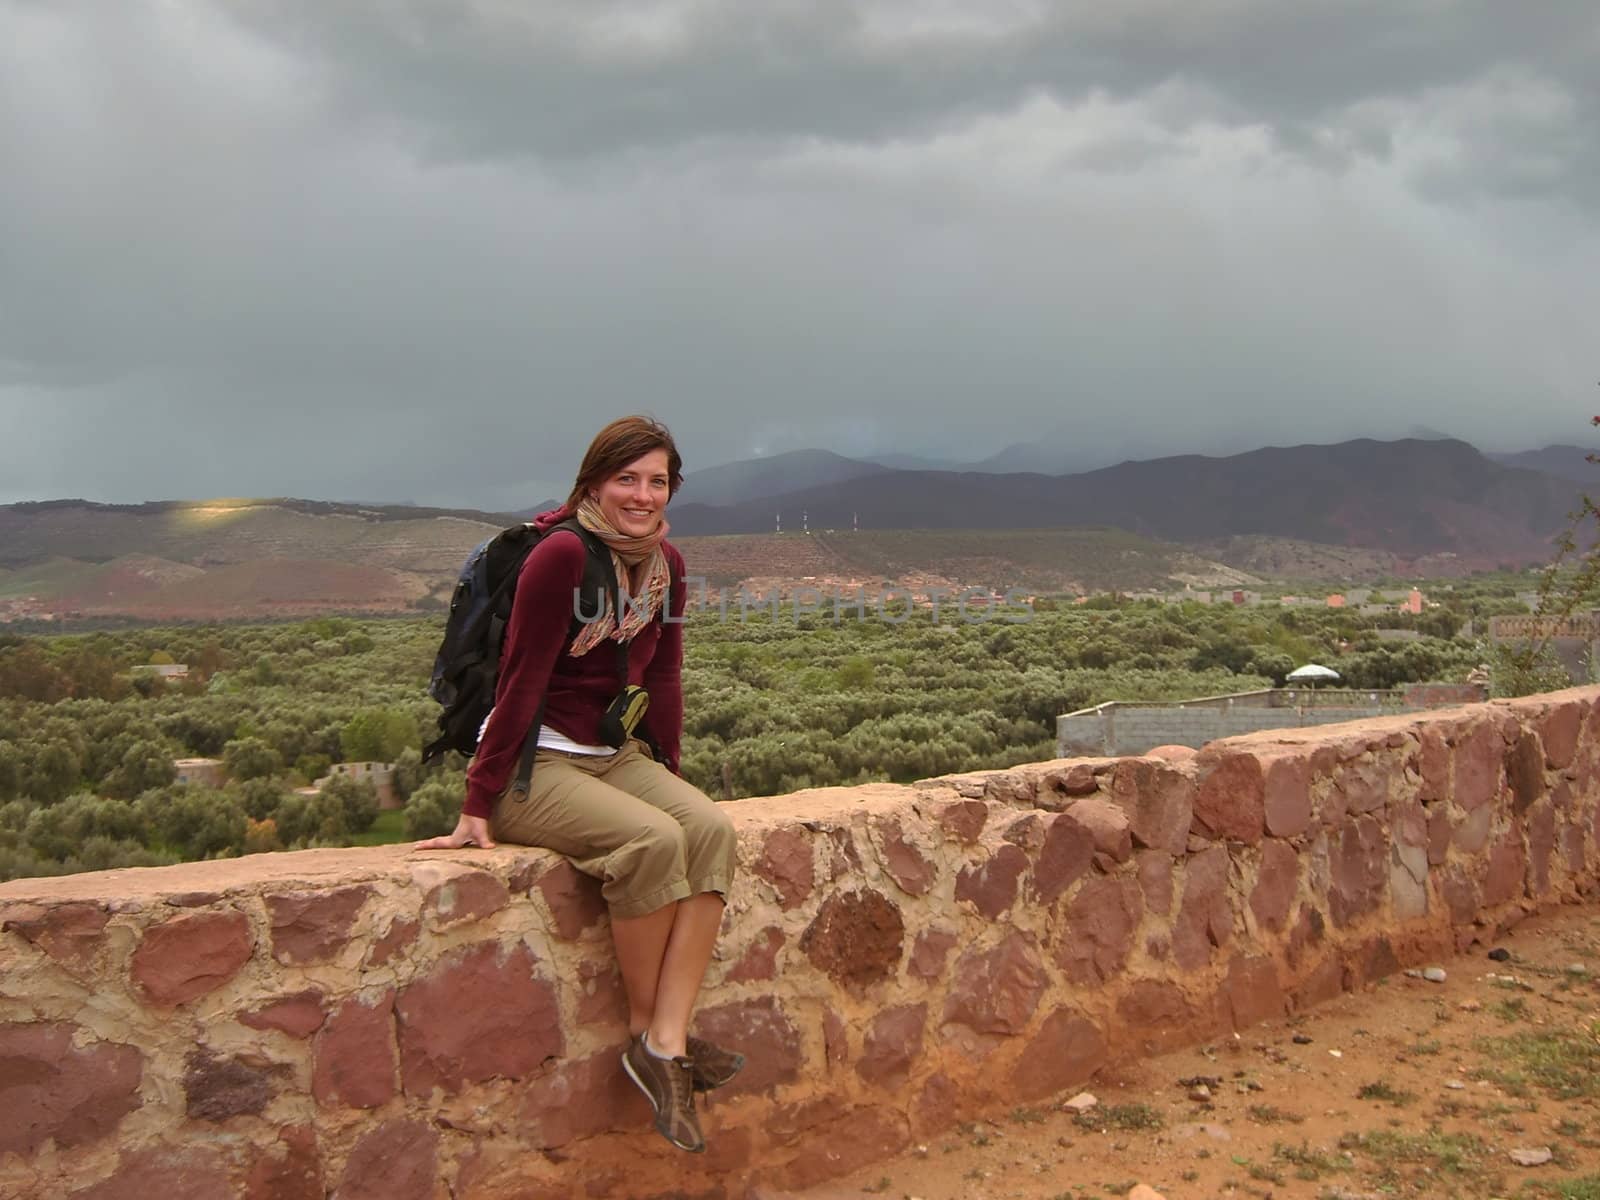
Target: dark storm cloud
column 419, row 251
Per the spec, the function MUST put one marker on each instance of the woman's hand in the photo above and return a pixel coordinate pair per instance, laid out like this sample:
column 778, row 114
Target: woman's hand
column 469, row 831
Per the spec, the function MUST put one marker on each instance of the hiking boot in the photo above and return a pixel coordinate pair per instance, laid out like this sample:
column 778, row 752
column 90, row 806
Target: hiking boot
column 713, row 1066
column 668, row 1083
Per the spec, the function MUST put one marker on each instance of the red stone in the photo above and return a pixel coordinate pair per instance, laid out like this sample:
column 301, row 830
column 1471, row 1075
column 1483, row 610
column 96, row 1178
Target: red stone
column 930, row 953
column 1472, row 834
column 997, row 991
column 396, row 1161
column 1286, row 795
column 1434, row 765
column 761, row 1031
column 1159, row 801
column 1066, row 1051
column 468, row 897
column 295, row 1175
column 856, row 938
column 353, row 1056
column 964, row 819
column 1558, row 732
column 1067, row 851
column 1026, row 832
column 1077, row 780
column 1358, row 856
column 579, row 1099
column 1409, row 821
column 759, row 962
column 1230, row 798
column 938, row 1104
column 1171, row 753
column 171, row 1172
column 1252, row 992
column 1321, row 984
column 186, row 957
column 1155, row 880
column 479, row 1014
column 913, row 872
column 217, row 1089
column 1440, row 832
column 1524, row 764
column 1204, row 918
column 573, row 898
column 1156, row 1016
column 50, row 1089
column 787, row 863
column 1504, row 878
column 313, row 926
column 1541, row 822
column 71, row 933
column 843, row 857
column 1460, row 896
column 1360, row 786
column 1306, row 936
column 299, row 1015
column 602, row 1000
column 992, row 887
column 1096, row 932
column 1477, row 765
column 1572, row 848
column 892, row 1045
column 1277, row 881
column 853, row 1138
column 1108, row 826
column 1373, row 960
column 400, row 936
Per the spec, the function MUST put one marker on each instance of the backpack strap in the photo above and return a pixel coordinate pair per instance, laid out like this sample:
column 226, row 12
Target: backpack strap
column 598, row 574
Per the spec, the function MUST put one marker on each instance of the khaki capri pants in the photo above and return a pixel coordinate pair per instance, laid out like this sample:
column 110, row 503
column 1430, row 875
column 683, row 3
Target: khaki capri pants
column 625, row 819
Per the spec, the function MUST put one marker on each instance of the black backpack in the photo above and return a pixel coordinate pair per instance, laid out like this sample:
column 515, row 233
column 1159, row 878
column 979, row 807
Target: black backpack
column 467, row 666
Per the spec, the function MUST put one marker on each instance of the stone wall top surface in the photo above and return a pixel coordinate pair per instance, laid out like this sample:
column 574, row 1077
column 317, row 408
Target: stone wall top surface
column 202, row 881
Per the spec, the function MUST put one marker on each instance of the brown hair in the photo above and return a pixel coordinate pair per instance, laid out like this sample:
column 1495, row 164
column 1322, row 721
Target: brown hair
column 617, row 445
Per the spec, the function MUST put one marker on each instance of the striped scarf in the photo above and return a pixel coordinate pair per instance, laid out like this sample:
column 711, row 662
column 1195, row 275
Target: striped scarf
column 641, row 568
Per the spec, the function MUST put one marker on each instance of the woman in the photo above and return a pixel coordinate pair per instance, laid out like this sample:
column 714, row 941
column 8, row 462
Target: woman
column 665, row 852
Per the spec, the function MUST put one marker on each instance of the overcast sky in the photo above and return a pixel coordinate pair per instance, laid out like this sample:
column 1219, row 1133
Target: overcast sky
column 421, row 249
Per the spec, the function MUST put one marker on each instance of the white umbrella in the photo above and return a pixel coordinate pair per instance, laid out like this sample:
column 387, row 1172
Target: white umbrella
column 1312, row 673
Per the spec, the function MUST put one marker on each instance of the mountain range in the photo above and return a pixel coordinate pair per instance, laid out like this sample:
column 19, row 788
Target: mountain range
column 1418, row 505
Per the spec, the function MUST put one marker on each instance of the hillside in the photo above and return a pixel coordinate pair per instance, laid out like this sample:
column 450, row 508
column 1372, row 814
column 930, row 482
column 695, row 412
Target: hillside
column 1349, row 511
column 1409, row 498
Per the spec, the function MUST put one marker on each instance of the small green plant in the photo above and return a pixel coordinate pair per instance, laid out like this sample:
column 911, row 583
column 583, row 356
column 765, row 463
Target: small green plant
column 1443, row 1153
column 1565, row 1063
column 1308, row 1164
column 1512, row 1010
column 1027, row 1116
column 1268, row 1114
column 883, row 1185
column 1127, row 1117
column 1425, row 1047
column 1385, row 1092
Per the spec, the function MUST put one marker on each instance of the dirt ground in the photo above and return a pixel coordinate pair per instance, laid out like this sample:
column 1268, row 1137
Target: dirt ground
column 1412, row 1088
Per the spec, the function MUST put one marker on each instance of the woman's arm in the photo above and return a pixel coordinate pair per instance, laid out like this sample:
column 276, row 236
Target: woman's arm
column 663, row 676
column 541, row 614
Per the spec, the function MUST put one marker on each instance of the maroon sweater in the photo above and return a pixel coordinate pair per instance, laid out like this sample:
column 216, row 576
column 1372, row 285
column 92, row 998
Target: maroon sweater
column 577, row 691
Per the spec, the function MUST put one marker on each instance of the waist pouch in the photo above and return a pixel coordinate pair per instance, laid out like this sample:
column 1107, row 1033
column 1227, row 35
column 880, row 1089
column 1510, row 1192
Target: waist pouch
column 623, row 715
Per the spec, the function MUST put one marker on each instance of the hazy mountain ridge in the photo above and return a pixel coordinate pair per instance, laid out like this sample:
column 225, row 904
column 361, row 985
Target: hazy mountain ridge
column 1412, row 498
column 1395, row 506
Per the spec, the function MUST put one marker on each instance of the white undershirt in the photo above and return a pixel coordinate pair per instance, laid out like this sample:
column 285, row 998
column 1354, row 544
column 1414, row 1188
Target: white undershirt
column 554, row 739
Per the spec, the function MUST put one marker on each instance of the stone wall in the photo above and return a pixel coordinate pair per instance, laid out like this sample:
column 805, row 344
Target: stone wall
column 385, row 1024
column 1128, row 727
column 1118, row 729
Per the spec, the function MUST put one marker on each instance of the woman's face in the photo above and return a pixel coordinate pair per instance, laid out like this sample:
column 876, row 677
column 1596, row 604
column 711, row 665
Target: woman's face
column 633, row 499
